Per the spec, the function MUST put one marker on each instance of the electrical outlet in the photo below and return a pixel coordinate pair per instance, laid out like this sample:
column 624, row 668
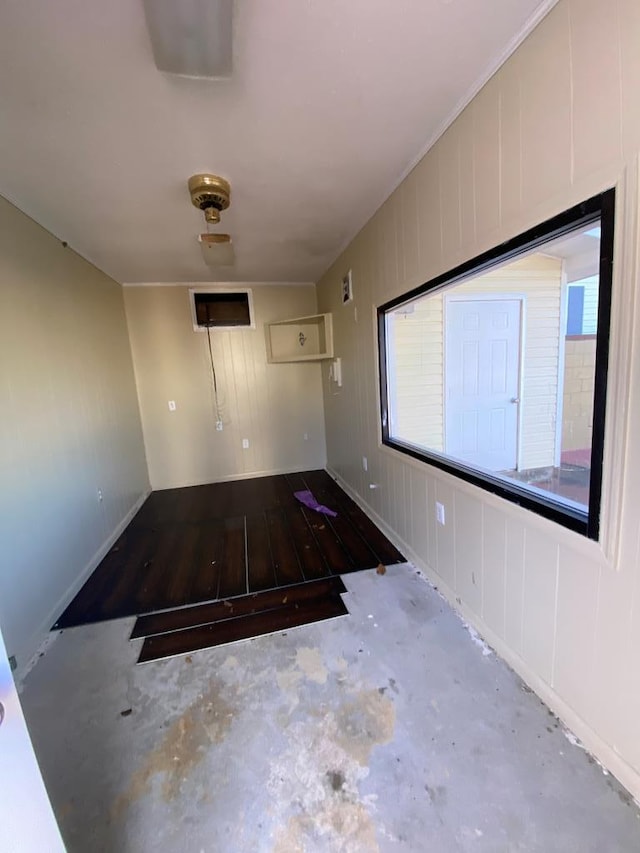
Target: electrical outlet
column 245, row 443
column 100, row 495
column 219, row 426
column 365, row 463
column 440, row 513
column 306, row 436
column 172, row 405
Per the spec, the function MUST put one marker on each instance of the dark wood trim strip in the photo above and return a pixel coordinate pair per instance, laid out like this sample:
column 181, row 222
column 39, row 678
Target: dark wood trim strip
column 233, row 630
column 246, row 605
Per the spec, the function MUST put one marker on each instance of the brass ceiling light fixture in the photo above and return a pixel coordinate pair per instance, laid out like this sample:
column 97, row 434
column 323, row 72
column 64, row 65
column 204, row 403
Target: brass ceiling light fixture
column 212, row 194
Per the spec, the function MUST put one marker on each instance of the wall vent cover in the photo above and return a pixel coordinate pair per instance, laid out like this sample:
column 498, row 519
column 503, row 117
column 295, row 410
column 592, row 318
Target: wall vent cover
column 222, row 309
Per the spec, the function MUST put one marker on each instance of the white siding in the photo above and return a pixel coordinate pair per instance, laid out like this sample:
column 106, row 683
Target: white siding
column 590, row 310
column 416, row 344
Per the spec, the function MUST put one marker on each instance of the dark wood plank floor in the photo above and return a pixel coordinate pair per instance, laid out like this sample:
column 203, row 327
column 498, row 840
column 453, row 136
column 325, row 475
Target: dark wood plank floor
column 169, row 621
column 257, row 624
column 220, row 541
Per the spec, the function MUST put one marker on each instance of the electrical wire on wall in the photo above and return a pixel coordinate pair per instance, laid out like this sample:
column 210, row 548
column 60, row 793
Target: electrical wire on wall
column 216, row 399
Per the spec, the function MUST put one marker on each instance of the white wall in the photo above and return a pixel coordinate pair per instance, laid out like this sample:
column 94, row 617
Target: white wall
column 558, row 123
column 272, row 405
column 70, row 426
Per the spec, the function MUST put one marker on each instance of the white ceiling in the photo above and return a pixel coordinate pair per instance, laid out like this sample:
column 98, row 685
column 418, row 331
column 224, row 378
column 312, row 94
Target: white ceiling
column 330, row 103
column 580, row 253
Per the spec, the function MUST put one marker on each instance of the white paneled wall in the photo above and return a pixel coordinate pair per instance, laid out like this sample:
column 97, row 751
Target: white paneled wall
column 557, row 124
column 72, row 462
column 277, row 408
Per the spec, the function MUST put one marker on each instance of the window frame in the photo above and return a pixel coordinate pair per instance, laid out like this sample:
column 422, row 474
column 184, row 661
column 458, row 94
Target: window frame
column 602, row 207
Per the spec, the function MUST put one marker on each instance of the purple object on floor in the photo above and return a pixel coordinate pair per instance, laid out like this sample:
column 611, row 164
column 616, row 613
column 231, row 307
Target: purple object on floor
column 308, row 499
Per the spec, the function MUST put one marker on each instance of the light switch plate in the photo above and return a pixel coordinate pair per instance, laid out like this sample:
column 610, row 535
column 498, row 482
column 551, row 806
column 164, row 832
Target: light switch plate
column 337, row 371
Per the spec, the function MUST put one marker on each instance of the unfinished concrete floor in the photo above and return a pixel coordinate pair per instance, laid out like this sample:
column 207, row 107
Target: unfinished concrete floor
column 390, row 729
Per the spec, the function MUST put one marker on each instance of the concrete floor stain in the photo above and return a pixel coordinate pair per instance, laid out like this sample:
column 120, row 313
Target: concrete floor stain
column 310, row 662
column 205, row 722
column 336, row 779
column 437, row 794
column 287, row 775
column 365, row 722
column 342, row 827
column 331, row 759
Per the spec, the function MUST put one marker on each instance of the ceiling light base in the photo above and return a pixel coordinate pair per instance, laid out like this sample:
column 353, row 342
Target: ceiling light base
column 210, row 194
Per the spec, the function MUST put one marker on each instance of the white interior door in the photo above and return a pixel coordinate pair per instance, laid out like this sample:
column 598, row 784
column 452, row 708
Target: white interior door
column 482, row 379
column 27, row 823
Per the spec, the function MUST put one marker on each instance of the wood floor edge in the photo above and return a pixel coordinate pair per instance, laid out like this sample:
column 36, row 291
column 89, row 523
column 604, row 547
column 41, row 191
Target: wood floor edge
column 151, row 624
column 146, row 653
column 140, row 662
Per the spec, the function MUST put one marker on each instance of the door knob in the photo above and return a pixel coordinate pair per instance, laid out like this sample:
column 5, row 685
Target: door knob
column 515, row 399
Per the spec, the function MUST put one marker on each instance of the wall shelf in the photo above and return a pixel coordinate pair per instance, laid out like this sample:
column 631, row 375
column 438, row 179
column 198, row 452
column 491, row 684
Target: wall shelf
column 300, row 339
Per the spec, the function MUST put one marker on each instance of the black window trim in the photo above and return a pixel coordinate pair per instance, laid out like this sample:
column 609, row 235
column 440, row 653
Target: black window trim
column 600, row 206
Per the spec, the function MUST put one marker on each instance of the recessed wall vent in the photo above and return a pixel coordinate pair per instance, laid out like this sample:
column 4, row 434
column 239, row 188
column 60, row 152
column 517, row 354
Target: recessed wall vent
column 222, row 309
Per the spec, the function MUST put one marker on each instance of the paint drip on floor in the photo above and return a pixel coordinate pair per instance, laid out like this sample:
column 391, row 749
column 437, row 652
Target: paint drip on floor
column 477, row 639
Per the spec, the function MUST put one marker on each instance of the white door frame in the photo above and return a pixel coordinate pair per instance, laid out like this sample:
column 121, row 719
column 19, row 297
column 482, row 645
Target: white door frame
column 27, row 821
column 485, row 297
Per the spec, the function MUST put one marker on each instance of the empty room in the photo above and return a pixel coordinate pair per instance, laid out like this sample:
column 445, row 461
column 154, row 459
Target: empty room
column 321, row 404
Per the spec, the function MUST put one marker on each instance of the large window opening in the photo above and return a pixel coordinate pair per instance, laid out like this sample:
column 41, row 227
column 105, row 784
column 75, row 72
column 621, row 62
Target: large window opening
column 496, row 371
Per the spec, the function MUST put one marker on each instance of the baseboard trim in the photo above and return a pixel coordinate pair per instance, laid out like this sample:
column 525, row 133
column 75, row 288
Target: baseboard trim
column 42, row 637
column 250, row 475
column 589, row 740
